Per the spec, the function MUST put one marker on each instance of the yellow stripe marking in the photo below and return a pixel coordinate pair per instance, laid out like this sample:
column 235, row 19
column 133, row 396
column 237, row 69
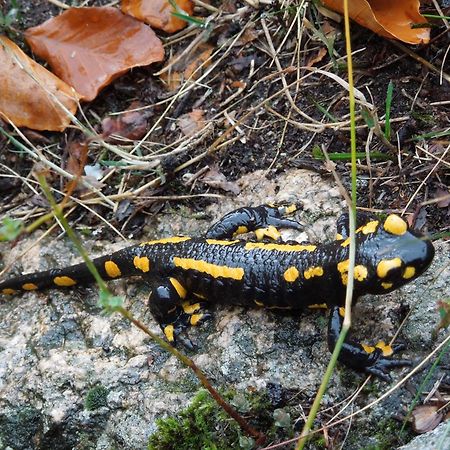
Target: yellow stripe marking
column 142, row 263
column 290, row 209
column 313, row 272
column 220, row 242
column 29, row 286
column 257, row 302
column 386, row 265
column 409, row 272
column 270, row 232
column 169, row 333
column 181, row 291
column 236, row 273
column 8, row 291
column 395, row 225
column 369, row 227
column 385, row 348
column 387, row 285
column 240, row 230
column 189, row 308
column 279, row 247
column 291, row 274
column 368, row 348
column 64, row 281
column 112, row 269
column 169, row 240
column 339, row 237
column 345, row 243
column 195, row 319
column 360, row 273
column 318, row 306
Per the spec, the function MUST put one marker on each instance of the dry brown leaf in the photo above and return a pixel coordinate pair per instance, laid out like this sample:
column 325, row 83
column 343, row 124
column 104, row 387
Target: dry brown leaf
column 191, row 122
column 317, row 57
column 388, row 18
column 31, row 96
column 158, row 13
column 426, row 418
column 187, row 66
column 89, row 47
column 217, row 180
column 131, row 124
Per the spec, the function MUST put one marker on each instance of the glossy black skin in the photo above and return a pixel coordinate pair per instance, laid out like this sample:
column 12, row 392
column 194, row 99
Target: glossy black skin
column 263, row 281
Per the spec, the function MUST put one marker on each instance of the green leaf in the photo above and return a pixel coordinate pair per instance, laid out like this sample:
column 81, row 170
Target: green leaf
column 10, row 229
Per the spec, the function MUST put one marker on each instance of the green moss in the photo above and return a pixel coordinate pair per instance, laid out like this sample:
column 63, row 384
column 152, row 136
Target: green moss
column 96, row 398
column 204, row 425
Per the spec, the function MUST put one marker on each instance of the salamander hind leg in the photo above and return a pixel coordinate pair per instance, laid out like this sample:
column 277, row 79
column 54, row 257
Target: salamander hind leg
column 174, row 313
column 376, row 360
column 263, row 220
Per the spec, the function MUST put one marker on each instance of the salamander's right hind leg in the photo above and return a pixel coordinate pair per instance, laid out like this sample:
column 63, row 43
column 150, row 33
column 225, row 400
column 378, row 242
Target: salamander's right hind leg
column 169, row 305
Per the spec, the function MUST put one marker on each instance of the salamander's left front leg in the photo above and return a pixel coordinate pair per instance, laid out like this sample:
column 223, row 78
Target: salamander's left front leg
column 169, row 305
column 376, row 360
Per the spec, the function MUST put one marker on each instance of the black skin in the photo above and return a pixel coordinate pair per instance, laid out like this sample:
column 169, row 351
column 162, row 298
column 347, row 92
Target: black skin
column 276, row 275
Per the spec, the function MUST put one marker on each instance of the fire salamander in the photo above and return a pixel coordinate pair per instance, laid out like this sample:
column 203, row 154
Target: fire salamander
column 184, row 273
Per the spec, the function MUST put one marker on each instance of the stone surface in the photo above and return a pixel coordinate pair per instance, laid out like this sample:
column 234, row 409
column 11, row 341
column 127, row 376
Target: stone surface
column 57, row 346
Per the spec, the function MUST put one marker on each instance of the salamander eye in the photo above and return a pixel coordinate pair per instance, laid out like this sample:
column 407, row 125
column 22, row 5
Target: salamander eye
column 395, row 225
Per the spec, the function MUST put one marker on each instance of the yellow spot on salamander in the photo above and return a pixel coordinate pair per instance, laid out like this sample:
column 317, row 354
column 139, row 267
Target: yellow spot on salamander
column 395, row 225
column 181, row 291
column 360, row 273
column 270, row 232
column 339, row 237
column 368, row 348
column 235, row 273
column 64, row 281
column 219, row 242
column 257, row 302
column 369, row 227
column 342, row 311
column 242, row 229
column 313, row 272
column 346, row 243
column 386, row 265
column 169, row 333
column 195, row 319
column 190, row 308
column 409, row 272
column 385, row 348
column 8, row 291
column 169, row 240
column 342, row 267
column 29, row 286
column 290, row 209
column 318, row 306
column 112, row 269
column 142, row 263
column 279, row 247
column 387, row 285
column 291, row 274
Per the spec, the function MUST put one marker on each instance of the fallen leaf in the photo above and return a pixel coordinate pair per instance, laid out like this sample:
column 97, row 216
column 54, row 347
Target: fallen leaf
column 131, row 125
column 317, row 57
column 158, row 13
column 90, row 47
column 191, row 122
column 188, row 66
column 31, row 96
column 388, row 18
column 443, row 196
column 425, row 418
column 217, row 180
column 77, row 157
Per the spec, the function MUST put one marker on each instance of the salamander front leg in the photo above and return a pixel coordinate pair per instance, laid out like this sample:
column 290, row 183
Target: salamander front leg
column 173, row 312
column 263, row 220
column 365, row 222
column 376, row 360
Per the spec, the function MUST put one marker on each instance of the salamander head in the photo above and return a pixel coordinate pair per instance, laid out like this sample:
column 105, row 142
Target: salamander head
column 395, row 255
